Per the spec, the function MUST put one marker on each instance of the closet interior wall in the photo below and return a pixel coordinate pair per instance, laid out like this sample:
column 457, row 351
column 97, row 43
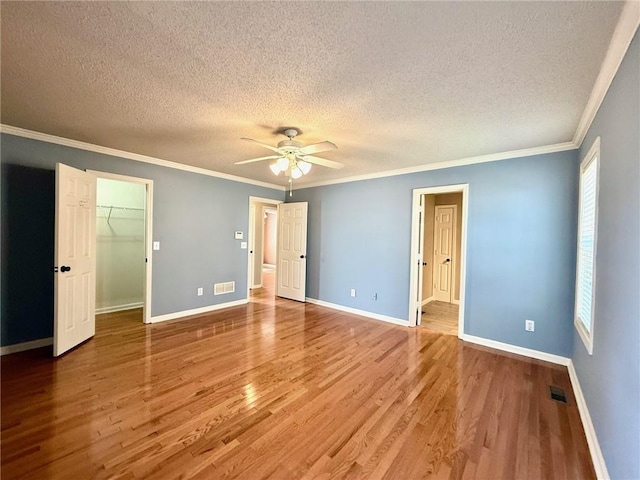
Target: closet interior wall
column 120, row 230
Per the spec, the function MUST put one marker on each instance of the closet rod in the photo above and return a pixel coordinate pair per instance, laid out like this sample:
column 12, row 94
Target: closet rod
column 120, row 208
column 111, row 208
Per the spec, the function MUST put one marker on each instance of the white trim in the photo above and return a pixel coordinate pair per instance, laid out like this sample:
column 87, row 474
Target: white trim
column 526, row 152
column 197, row 311
column 21, row 347
column 527, row 352
column 427, row 300
column 45, row 137
column 463, row 260
column 148, row 234
column 592, row 440
column 455, row 302
column 355, row 311
column 251, row 247
column 620, row 41
column 587, row 336
column 119, row 308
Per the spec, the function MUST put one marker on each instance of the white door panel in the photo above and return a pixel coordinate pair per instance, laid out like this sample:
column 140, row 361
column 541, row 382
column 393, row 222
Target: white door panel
column 442, row 256
column 75, row 258
column 292, row 250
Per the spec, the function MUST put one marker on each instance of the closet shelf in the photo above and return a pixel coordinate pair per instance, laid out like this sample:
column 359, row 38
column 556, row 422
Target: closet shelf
column 111, row 208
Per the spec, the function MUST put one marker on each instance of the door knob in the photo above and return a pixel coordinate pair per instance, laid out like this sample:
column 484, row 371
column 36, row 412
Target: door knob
column 64, row 268
column 447, row 260
column 424, row 264
column 301, row 256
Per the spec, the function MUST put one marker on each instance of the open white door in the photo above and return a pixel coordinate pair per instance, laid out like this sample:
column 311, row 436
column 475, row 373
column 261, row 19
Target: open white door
column 421, row 263
column 292, row 251
column 75, row 258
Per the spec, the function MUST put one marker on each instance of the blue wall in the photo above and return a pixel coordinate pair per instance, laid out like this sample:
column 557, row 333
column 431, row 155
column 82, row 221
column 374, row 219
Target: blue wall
column 194, row 217
column 610, row 378
column 520, row 249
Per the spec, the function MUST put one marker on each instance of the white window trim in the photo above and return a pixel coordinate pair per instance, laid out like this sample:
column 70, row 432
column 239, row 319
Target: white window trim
column 587, row 335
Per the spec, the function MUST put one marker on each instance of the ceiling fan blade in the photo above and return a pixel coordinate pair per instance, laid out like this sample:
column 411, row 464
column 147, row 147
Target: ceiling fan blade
column 321, row 161
column 318, row 147
column 270, row 147
column 259, row 159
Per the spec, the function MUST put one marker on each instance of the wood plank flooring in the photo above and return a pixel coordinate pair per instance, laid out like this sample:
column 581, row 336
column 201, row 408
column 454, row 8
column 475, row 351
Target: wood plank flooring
column 284, row 390
column 440, row 317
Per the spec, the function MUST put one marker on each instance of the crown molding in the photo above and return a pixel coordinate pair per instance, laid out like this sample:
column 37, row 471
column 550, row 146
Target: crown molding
column 622, row 36
column 67, row 142
column 494, row 157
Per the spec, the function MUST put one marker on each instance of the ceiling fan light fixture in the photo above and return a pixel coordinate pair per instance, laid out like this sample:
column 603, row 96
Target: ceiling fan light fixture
column 304, row 166
column 283, row 164
column 296, row 173
column 275, row 168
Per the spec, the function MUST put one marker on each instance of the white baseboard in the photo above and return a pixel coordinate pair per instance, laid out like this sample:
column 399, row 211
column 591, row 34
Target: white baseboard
column 527, row 352
column 362, row 313
column 119, row 308
column 196, row 311
column 427, row 300
column 21, row 347
column 455, row 302
column 268, row 266
column 592, row 440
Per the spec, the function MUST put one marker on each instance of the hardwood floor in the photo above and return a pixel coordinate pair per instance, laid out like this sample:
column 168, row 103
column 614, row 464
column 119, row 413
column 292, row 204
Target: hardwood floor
column 440, row 317
column 284, row 390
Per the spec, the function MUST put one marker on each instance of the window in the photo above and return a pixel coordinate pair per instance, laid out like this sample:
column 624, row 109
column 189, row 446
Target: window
column 587, row 245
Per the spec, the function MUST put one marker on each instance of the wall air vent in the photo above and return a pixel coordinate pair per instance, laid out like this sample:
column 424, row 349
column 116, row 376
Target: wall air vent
column 225, row 287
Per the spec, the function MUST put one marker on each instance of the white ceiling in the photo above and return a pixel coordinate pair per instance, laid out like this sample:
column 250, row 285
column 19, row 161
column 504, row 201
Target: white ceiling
column 393, row 84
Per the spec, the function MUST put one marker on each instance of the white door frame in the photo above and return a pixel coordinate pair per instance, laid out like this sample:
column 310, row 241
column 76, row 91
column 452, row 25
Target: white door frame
column 148, row 233
column 251, row 236
column 251, row 245
column 415, row 303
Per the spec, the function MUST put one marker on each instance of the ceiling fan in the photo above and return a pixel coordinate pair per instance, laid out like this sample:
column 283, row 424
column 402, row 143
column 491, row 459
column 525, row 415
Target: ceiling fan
column 292, row 158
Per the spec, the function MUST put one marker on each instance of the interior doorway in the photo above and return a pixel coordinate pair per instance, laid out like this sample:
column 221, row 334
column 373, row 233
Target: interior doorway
column 123, row 244
column 438, row 250
column 262, row 244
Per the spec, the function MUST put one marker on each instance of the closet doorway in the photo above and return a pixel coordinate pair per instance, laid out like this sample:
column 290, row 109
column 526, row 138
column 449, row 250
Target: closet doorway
column 123, row 244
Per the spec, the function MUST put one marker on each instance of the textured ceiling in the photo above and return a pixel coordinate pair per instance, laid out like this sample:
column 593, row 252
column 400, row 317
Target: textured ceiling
column 393, row 84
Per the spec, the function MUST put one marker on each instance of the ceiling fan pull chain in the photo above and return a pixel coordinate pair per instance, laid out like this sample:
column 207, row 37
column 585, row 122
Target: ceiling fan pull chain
column 290, row 187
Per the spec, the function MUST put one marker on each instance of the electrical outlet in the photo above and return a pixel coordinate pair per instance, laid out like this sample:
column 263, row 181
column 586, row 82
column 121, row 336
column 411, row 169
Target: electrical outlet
column 200, row 291
column 353, row 292
column 156, row 245
column 529, row 325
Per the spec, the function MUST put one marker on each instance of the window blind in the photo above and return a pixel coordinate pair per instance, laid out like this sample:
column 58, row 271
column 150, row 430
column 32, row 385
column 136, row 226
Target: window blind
column 586, row 243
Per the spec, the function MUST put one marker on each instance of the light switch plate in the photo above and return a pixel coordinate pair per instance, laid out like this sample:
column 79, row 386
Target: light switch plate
column 156, row 245
column 239, row 235
column 243, row 245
